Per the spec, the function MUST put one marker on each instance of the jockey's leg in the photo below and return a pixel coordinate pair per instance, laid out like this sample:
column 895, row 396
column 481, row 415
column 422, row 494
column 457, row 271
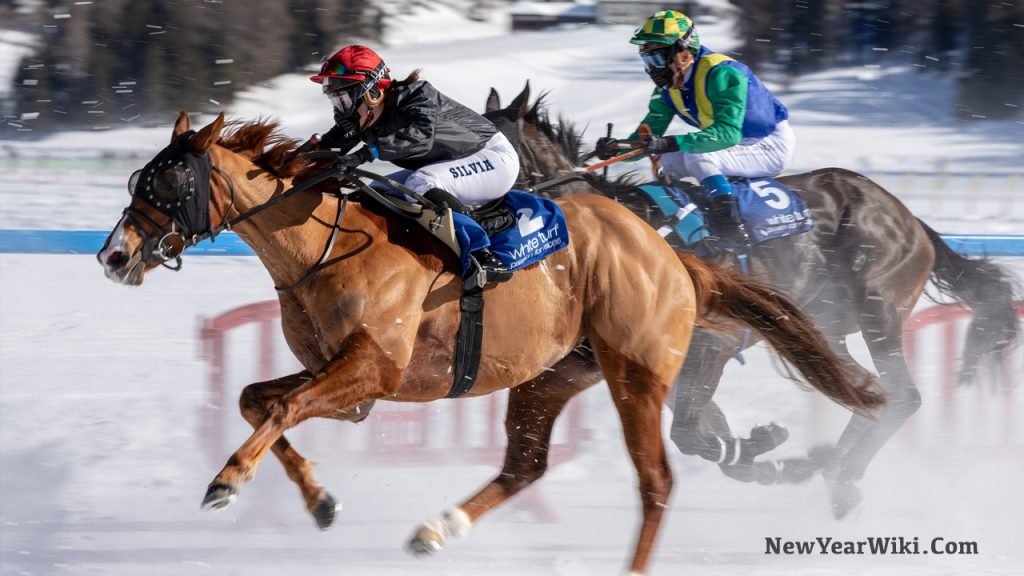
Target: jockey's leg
column 465, row 182
column 751, row 158
column 724, row 212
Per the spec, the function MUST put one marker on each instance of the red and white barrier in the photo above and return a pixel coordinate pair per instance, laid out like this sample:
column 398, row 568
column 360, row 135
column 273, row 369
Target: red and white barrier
column 984, row 414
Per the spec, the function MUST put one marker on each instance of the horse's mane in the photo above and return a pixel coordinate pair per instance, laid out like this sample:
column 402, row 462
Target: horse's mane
column 568, row 139
column 262, row 142
column 562, row 134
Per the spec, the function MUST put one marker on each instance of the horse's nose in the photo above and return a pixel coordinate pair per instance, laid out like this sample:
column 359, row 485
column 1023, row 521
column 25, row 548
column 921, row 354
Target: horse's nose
column 116, row 260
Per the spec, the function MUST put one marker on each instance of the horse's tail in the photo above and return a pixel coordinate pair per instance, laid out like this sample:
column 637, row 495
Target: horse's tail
column 786, row 327
column 988, row 289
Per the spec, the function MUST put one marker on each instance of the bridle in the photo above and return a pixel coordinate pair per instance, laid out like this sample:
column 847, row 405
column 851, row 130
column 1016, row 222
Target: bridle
column 160, row 248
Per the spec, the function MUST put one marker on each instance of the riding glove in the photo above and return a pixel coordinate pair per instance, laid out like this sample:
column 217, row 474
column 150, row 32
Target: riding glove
column 654, row 144
column 607, row 147
column 357, row 158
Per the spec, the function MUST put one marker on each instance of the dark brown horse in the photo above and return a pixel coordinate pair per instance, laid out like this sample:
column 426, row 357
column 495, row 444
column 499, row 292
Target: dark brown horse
column 379, row 321
column 862, row 268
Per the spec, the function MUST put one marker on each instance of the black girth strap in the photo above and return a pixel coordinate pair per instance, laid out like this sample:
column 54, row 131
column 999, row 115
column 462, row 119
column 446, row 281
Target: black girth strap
column 468, row 341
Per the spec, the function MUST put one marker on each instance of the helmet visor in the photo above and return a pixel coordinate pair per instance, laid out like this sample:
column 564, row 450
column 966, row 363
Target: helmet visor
column 344, row 101
column 659, row 58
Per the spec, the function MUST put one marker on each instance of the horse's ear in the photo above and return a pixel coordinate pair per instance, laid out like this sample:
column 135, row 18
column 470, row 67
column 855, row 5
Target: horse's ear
column 209, row 134
column 181, row 125
column 521, row 105
column 493, row 102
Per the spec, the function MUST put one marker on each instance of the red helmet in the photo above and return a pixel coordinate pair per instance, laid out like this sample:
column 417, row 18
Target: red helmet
column 353, row 65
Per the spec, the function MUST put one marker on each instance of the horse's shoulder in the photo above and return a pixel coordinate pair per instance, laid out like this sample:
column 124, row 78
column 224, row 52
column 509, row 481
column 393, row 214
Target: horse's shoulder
column 408, row 234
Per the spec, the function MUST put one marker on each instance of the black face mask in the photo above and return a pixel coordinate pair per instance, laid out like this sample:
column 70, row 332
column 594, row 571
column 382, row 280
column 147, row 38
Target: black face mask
column 662, row 77
column 177, row 183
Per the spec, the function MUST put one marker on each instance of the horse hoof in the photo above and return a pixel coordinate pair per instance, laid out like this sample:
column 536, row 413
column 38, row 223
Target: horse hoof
column 219, row 496
column 796, row 470
column 767, row 438
column 427, row 541
column 325, row 510
column 845, row 498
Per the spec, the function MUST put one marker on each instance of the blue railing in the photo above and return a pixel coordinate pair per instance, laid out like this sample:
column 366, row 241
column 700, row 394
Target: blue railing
column 228, row 244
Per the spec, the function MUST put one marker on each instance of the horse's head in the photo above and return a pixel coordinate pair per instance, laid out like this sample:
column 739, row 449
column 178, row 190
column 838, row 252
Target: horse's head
column 546, row 150
column 169, row 209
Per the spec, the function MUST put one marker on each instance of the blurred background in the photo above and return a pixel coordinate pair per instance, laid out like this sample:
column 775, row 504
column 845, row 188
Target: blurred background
column 108, row 63
column 118, row 405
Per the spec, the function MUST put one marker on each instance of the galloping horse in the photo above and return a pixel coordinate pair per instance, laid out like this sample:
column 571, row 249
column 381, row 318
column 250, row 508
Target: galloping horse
column 862, row 268
column 377, row 321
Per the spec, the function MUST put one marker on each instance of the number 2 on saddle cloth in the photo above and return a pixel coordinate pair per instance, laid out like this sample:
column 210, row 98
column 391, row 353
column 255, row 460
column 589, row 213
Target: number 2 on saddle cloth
column 521, row 229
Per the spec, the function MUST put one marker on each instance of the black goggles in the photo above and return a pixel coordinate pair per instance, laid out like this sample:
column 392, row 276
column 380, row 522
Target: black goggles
column 660, row 58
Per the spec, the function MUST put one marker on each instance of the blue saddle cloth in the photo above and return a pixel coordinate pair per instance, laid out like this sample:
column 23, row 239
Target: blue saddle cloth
column 521, row 230
column 768, row 208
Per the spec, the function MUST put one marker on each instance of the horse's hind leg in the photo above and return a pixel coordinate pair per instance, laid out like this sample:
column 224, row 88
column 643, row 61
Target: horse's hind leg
column 254, row 402
column 530, row 418
column 638, row 394
column 863, row 437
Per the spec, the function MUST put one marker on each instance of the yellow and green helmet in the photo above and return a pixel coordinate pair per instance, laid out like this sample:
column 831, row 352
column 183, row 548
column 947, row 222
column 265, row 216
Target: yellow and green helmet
column 666, row 28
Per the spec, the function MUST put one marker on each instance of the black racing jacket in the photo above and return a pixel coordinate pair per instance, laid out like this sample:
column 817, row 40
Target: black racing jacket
column 418, row 126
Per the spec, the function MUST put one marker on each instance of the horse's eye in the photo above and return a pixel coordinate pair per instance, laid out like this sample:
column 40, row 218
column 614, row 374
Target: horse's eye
column 170, row 185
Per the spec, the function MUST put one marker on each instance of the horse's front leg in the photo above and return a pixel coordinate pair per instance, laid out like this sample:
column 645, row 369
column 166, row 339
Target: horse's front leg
column 362, row 371
column 254, row 402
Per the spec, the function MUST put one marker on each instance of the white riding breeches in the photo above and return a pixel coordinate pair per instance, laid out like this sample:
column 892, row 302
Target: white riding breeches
column 475, row 179
column 751, row 158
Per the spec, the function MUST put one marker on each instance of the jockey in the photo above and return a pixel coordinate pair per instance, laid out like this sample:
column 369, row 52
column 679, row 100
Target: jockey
column 742, row 129
column 412, row 125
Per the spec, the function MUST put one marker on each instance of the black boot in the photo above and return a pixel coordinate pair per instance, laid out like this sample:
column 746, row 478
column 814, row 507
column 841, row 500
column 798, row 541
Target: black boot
column 731, row 232
column 492, row 270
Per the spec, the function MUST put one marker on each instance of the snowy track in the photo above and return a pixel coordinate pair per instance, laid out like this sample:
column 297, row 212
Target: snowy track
column 104, row 460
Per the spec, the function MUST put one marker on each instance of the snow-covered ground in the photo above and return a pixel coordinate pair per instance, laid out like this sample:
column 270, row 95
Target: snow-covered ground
column 111, row 427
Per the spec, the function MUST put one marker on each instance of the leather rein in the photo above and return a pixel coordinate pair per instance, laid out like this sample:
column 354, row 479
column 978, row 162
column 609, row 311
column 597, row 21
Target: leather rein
column 163, row 251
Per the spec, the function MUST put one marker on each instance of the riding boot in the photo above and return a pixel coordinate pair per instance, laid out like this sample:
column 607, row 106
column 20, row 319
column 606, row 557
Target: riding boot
column 725, row 215
column 491, row 269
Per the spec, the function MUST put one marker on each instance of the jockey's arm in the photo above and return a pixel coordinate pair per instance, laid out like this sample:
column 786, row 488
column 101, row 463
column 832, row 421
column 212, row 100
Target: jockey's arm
column 659, row 116
column 419, row 120
column 727, row 91
column 335, row 139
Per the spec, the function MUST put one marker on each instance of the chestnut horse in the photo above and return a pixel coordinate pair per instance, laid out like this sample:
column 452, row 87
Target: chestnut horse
column 378, row 320
column 862, row 268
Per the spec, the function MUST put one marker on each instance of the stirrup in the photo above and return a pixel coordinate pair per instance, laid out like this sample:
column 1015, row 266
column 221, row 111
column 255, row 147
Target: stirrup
column 481, row 275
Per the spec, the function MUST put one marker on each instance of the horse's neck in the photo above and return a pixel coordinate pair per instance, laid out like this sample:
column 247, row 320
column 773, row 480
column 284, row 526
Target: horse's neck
column 288, row 238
